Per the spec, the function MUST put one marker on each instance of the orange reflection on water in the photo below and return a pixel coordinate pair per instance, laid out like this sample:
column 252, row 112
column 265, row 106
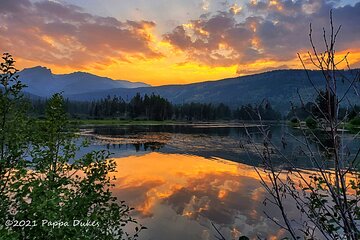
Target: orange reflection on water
column 148, row 179
column 195, row 188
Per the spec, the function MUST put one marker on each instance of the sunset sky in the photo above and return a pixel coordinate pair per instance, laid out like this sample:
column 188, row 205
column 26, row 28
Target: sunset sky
column 171, row 41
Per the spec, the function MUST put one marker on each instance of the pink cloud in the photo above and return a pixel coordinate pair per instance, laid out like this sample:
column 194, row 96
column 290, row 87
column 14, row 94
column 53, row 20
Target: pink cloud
column 62, row 34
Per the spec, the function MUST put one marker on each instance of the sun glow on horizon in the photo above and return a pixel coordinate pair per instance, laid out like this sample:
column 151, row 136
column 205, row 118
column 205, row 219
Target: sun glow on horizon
column 166, row 71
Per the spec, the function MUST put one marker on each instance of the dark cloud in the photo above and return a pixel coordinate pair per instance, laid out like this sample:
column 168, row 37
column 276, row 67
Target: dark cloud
column 179, row 38
column 272, row 30
column 11, row 6
column 348, row 17
column 60, row 34
column 208, row 39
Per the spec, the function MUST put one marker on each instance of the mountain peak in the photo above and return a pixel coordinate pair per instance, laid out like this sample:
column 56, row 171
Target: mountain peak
column 42, row 82
column 80, row 73
column 38, row 69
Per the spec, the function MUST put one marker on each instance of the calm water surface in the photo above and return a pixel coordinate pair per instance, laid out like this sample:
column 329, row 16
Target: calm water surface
column 180, row 179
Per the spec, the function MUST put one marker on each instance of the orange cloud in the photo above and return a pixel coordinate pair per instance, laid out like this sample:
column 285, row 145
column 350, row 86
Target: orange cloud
column 54, row 34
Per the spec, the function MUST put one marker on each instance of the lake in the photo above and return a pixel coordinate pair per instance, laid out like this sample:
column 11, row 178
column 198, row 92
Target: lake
column 181, row 179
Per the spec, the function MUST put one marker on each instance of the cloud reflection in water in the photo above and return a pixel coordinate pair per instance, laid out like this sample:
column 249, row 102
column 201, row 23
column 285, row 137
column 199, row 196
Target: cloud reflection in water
column 176, row 196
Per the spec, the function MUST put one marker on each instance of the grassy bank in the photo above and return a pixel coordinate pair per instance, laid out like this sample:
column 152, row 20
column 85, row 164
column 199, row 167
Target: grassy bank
column 354, row 125
column 110, row 122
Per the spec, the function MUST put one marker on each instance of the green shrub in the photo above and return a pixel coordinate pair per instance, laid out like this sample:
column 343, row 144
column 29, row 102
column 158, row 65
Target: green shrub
column 311, row 123
column 294, row 122
column 355, row 121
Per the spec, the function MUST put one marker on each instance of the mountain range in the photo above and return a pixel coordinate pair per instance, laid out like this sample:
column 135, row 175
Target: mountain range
column 42, row 82
column 280, row 87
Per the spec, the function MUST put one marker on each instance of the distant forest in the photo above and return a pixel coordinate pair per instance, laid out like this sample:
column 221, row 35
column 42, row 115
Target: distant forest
column 155, row 107
column 319, row 106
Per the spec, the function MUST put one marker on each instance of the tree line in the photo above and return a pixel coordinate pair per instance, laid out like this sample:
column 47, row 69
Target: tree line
column 318, row 109
column 155, row 107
